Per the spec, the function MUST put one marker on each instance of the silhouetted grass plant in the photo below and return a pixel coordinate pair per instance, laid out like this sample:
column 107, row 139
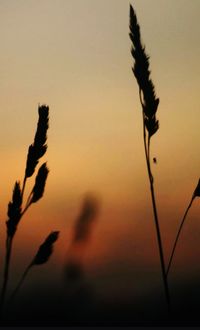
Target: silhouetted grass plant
column 149, row 103
column 16, row 207
column 42, row 256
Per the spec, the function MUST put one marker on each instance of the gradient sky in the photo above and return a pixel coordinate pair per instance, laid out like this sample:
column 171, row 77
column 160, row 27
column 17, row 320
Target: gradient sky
column 75, row 57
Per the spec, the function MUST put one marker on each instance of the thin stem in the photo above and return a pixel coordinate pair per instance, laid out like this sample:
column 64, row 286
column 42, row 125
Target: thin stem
column 23, row 187
column 20, row 283
column 22, row 194
column 28, row 200
column 160, row 245
column 178, row 234
column 151, row 181
column 159, row 237
column 9, row 241
column 26, row 208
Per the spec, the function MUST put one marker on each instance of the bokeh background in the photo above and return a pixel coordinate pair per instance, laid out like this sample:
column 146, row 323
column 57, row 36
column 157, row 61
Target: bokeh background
column 75, row 57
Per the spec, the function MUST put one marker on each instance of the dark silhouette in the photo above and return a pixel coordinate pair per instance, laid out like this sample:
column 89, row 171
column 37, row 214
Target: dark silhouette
column 16, row 209
column 80, row 237
column 195, row 194
column 79, row 293
column 83, row 224
column 149, row 103
column 39, row 146
column 77, row 305
column 42, row 256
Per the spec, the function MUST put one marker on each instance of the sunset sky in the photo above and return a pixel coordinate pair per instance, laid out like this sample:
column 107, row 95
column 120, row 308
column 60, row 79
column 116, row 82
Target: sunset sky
column 75, row 57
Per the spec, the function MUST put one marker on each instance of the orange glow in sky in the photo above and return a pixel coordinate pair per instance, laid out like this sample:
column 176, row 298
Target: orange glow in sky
column 75, row 57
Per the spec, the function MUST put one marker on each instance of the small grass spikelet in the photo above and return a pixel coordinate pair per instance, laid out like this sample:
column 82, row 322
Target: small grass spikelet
column 40, row 181
column 39, row 147
column 46, row 249
column 14, row 210
column 42, row 256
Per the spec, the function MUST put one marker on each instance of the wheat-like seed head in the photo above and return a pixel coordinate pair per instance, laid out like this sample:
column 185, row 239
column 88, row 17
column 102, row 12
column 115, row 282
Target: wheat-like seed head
column 142, row 75
column 45, row 250
column 39, row 147
column 14, row 210
column 40, row 181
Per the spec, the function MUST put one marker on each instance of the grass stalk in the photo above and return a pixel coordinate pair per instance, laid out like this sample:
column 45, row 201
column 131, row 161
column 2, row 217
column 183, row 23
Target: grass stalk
column 178, row 234
column 149, row 103
column 6, row 271
column 15, row 211
column 9, row 243
column 21, row 281
column 42, row 256
column 23, row 187
column 156, row 221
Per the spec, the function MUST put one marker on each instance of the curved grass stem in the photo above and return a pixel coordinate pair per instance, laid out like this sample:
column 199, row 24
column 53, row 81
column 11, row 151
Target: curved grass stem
column 178, row 234
column 19, row 284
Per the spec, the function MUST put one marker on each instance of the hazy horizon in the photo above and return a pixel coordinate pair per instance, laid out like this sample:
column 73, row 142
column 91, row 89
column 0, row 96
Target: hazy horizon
column 75, row 57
